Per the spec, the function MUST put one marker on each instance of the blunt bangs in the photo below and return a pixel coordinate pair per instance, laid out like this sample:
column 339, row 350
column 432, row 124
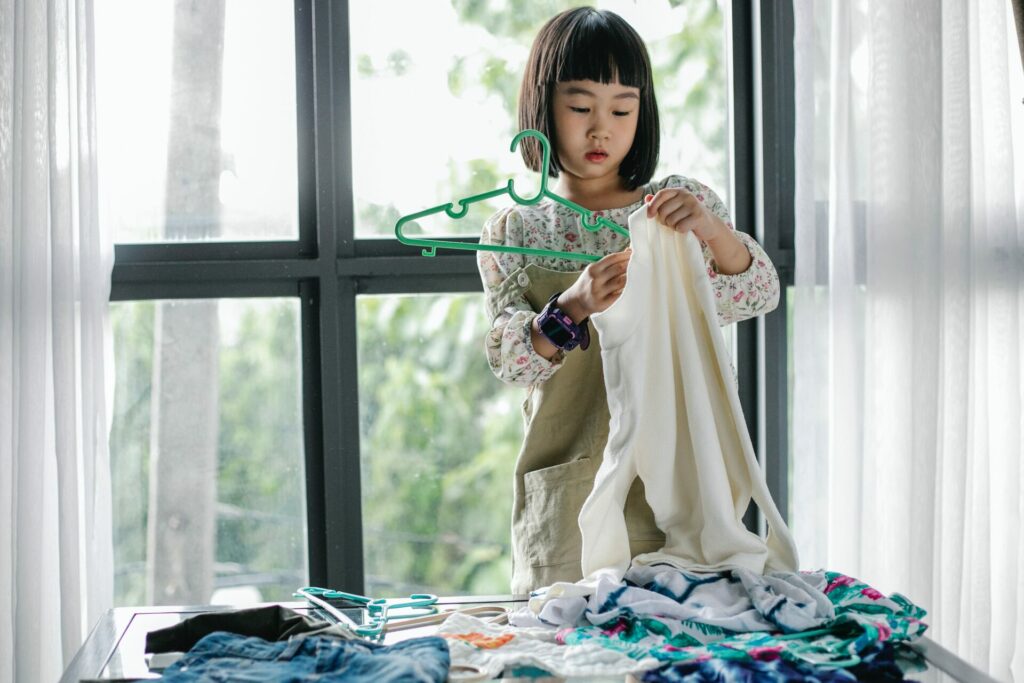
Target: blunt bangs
column 603, row 48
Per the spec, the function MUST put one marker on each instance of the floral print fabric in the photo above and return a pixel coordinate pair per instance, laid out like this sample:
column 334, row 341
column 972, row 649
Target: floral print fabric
column 549, row 225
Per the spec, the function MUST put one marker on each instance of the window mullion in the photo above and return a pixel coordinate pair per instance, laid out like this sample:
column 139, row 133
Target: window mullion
column 343, row 545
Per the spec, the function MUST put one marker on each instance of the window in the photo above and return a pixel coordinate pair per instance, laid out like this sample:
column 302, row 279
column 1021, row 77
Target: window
column 442, row 112
column 197, row 144
column 196, row 120
column 439, row 437
column 206, row 450
column 354, row 436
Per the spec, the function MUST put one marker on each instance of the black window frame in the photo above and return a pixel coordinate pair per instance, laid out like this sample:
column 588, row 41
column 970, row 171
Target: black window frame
column 327, row 267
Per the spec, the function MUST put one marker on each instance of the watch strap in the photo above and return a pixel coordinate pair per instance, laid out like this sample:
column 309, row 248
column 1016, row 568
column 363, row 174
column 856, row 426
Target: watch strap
column 558, row 327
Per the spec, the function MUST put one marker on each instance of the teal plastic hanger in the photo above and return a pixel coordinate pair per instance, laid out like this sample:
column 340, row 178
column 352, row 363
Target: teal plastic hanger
column 458, row 210
column 380, row 611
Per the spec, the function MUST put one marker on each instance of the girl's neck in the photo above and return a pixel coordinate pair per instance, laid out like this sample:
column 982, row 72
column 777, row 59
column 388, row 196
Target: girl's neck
column 597, row 194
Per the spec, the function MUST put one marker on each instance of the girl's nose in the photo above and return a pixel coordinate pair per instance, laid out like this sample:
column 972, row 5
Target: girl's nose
column 600, row 128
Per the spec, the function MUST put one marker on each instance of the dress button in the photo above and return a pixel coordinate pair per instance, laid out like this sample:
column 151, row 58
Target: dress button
column 523, row 280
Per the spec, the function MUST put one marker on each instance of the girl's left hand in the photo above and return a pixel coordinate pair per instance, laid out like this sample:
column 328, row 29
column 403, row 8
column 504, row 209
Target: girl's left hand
column 679, row 210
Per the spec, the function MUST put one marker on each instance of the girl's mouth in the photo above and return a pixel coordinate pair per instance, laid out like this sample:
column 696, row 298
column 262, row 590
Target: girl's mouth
column 596, row 157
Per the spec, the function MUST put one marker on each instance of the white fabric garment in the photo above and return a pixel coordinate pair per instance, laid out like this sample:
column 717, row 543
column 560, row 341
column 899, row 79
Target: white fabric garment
column 908, row 311
column 676, row 422
column 739, row 601
column 491, row 648
column 56, row 561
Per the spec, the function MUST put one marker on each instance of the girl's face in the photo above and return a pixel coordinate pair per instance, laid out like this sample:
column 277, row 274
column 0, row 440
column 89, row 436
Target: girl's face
column 595, row 124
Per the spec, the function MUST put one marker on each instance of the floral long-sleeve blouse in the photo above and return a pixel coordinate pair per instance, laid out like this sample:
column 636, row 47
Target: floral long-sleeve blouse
column 549, row 225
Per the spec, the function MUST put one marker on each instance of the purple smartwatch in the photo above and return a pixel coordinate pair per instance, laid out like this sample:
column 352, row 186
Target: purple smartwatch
column 560, row 330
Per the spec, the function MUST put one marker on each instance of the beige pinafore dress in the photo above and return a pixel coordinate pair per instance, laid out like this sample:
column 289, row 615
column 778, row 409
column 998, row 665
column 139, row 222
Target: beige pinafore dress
column 566, row 430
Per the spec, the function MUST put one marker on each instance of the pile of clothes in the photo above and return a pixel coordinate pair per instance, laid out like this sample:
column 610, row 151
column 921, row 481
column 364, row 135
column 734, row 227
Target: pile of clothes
column 666, row 624
column 659, row 624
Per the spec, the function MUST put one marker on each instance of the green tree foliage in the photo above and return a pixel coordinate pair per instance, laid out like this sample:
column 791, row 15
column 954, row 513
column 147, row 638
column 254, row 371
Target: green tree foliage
column 132, row 325
column 701, row 101
column 439, row 439
column 260, row 478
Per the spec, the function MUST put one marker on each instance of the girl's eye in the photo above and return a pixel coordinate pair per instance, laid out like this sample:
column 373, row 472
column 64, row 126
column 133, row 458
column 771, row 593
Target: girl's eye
column 584, row 110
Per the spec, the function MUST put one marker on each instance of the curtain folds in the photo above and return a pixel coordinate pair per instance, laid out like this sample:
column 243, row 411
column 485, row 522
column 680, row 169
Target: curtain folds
column 1018, row 18
column 908, row 310
column 55, row 364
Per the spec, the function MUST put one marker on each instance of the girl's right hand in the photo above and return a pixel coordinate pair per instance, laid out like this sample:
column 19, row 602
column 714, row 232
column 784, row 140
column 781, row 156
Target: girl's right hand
column 597, row 288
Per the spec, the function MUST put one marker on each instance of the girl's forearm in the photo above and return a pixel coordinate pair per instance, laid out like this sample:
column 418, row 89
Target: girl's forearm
column 731, row 255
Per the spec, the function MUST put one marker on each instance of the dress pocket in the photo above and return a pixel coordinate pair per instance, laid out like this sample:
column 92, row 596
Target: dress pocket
column 554, row 496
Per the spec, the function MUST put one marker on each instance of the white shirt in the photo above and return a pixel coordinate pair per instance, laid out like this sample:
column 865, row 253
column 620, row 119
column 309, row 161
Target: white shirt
column 676, row 422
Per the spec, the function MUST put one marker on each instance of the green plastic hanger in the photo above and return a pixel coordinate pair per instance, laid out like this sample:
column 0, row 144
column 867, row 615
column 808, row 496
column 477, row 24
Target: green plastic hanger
column 458, row 210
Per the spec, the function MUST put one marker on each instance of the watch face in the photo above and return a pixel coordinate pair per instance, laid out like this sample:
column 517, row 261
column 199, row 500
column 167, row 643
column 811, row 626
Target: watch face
column 554, row 331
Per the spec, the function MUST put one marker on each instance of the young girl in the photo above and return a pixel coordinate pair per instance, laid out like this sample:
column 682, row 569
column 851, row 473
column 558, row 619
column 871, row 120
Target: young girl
column 588, row 87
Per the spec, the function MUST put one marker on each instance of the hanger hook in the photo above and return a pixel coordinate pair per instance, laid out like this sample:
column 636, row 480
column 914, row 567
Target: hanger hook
column 456, row 209
column 592, row 226
column 545, row 165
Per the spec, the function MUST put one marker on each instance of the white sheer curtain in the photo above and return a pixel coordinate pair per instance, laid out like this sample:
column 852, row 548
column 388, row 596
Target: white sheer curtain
column 908, row 310
column 55, row 537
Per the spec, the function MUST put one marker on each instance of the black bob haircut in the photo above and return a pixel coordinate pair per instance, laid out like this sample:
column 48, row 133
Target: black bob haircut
column 597, row 45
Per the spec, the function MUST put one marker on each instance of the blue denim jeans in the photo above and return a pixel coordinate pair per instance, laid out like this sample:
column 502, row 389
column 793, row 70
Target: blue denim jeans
column 223, row 656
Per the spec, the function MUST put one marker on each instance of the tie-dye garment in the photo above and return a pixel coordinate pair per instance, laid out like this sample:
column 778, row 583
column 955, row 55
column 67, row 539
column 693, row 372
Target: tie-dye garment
column 864, row 620
column 887, row 664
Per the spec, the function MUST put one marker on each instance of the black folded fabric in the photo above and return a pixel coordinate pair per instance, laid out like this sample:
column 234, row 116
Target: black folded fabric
column 271, row 622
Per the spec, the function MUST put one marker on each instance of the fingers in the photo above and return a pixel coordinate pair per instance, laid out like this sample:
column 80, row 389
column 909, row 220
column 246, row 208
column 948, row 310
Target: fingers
column 606, row 292
column 617, row 285
column 613, row 297
column 655, row 202
column 674, row 195
column 617, row 256
column 608, row 278
column 677, row 220
column 611, row 264
column 680, row 211
column 607, row 281
column 614, row 282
